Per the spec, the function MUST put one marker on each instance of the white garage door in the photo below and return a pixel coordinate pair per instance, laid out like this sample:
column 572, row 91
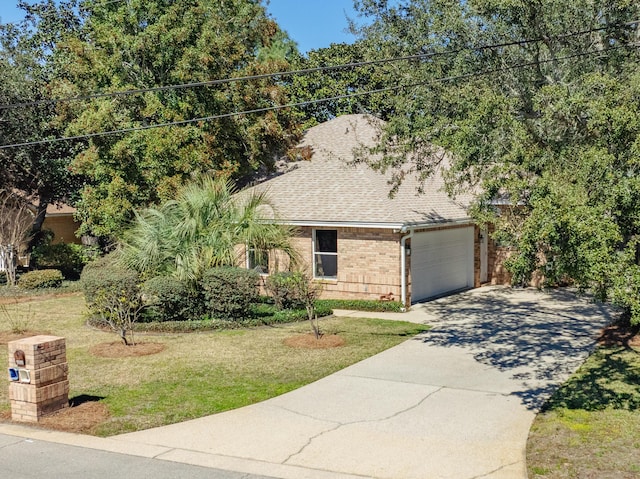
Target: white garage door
column 441, row 262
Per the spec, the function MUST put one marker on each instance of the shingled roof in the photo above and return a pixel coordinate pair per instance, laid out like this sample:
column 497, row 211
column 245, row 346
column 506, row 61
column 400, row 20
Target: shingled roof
column 328, row 190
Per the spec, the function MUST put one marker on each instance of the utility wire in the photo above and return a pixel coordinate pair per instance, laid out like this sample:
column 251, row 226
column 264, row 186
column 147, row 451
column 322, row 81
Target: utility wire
column 304, row 71
column 308, row 102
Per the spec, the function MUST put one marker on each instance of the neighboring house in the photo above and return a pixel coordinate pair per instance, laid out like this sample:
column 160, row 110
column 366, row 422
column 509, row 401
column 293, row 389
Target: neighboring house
column 362, row 243
column 60, row 220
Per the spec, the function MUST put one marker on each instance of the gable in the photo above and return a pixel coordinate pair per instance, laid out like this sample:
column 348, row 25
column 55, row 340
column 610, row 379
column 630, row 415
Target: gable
column 329, row 189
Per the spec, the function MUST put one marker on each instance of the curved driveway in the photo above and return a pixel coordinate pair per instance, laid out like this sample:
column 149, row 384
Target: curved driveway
column 455, row 402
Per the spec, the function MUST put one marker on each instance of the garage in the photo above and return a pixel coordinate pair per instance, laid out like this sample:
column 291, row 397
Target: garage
column 441, row 262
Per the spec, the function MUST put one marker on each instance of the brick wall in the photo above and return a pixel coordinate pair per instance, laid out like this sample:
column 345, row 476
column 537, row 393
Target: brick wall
column 368, row 263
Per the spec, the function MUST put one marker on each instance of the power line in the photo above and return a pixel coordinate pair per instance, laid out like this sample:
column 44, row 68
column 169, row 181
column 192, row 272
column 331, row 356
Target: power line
column 304, row 71
column 308, row 102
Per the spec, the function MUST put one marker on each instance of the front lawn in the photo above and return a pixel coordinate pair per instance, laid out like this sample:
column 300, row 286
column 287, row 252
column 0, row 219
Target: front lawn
column 591, row 426
column 197, row 373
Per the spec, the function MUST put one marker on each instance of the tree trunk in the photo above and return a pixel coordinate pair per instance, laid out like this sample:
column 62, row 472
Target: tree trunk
column 38, row 221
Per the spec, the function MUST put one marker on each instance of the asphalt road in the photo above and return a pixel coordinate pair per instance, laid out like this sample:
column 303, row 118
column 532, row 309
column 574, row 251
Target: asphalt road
column 30, row 459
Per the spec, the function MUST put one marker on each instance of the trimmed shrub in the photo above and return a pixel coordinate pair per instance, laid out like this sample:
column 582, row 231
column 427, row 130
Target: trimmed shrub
column 42, row 278
column 284, row 288
column 112, row 293
column 170, row 299
column 229, row 292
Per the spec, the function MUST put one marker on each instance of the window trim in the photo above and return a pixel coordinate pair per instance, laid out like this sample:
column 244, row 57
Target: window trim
column 315, row 253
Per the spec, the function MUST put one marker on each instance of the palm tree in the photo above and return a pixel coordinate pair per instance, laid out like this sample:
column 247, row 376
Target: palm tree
column 202, row 228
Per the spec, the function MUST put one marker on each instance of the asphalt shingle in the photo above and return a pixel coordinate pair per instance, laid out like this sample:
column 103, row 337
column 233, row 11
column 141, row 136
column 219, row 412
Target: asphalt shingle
column 329, row 188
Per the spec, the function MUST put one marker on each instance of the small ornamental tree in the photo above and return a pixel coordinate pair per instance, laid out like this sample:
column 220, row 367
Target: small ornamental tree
column 294, row 289
column 113, row 294
column 15, row 226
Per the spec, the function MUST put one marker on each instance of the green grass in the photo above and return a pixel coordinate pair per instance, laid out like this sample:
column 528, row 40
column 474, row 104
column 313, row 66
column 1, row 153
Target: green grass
column 198, row 373
column 591, row 427
column 15, row 292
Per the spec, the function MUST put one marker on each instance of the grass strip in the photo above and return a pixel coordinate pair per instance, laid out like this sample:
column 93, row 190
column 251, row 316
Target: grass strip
column 589, row 428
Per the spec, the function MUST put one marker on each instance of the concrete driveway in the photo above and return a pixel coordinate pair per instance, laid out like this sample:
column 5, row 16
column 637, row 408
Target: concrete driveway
column 455, row 402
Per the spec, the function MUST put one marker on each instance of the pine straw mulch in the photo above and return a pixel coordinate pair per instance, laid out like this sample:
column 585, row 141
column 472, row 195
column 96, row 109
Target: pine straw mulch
column 309, row 341
column 118, row 349
column 8, row 336
column 620, row 334
column 81, row 417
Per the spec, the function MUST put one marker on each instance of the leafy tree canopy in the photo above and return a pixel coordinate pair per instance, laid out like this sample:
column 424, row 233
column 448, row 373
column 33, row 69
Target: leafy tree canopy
column 27, row 71
column 550, row 126
column 139, row 44
column 348, row 86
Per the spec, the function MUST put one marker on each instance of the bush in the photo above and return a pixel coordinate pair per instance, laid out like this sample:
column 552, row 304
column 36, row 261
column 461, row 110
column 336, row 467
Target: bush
column 43, row 278
column 113, row 293
column 68, row 258
column 284, row 288
column 170, row 299
column 229, row 292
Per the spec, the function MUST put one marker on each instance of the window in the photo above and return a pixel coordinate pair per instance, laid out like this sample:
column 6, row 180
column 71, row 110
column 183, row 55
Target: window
column 325, row 254
column 258, row 259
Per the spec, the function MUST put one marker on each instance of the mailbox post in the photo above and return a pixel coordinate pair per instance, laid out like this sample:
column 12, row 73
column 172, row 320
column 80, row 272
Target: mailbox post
column 38, row 375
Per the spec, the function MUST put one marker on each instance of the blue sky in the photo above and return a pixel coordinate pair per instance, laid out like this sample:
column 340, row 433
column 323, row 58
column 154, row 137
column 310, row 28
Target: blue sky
column 311, row 23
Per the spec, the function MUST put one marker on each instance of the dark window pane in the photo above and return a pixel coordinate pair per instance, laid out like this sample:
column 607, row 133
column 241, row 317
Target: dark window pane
column 259, row 260
column 326, row 265
column 327, row 241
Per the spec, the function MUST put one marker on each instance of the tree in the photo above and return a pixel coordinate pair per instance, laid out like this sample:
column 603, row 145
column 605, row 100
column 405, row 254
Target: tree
column 142, row 44
column 331, row 83
column 27, row 70
column 547, row 123
column 113, row 295
column 15, row 224
column 202, row 228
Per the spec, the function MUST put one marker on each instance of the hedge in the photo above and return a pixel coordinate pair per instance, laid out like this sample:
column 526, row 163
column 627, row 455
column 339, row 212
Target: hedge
column 229, row 292
column 42, row 278
column 362, row 305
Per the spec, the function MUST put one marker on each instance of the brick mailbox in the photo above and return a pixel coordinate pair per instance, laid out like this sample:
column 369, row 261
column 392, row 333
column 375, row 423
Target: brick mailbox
column 38, row 378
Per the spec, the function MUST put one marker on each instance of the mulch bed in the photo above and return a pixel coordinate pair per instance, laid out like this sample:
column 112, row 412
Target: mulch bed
column 309, row 341
column 7, row 336
column 81, row 419
column 120, row 350
column 620, row 335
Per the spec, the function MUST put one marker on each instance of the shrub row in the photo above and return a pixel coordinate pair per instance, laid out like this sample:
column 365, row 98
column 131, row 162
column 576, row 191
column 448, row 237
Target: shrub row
column 362, row 305
column 224, row 293
column 278, row 317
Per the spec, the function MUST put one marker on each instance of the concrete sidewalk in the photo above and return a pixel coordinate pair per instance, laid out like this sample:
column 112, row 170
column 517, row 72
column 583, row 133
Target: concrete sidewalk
column 455, row 402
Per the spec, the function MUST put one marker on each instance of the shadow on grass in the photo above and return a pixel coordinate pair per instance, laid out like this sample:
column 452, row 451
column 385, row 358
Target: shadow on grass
column 84, row 398
column 610, row 379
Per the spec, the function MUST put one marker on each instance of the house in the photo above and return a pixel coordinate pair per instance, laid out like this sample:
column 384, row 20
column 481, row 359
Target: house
column 362, row 243
column 60, row 220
